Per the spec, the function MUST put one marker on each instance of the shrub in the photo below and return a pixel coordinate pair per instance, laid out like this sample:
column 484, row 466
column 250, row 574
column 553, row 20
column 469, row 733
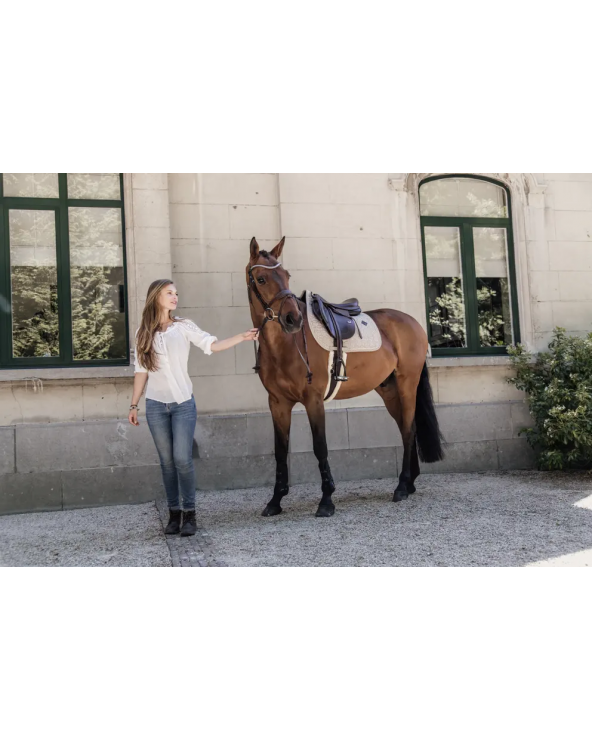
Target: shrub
column 559, row 387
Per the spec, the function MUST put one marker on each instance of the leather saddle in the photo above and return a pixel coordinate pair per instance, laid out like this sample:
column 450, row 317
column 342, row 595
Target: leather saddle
column 338, row 320
column 337, row 317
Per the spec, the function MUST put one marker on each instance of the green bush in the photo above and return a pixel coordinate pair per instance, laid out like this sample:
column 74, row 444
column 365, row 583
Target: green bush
column 559, row 387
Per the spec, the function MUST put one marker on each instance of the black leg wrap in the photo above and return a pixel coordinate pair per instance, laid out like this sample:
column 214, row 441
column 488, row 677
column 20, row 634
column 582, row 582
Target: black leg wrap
column 327, row 482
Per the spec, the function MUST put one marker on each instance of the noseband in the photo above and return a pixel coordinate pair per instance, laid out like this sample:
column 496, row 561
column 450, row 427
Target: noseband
column 270, row 314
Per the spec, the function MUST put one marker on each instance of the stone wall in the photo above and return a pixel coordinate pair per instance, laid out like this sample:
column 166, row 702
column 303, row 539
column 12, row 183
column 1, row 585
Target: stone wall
column 560, row 268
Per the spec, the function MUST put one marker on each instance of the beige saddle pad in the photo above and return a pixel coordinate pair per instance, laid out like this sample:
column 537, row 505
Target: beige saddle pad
column 369, row 341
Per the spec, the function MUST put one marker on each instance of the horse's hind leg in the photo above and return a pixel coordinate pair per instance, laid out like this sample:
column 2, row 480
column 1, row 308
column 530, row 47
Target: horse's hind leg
column 281, row 412
column 402, row 408
column 315, row 410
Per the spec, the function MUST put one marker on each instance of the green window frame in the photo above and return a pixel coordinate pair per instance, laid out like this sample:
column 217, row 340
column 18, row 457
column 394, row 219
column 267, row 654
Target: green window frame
column 465, row 226
column 62, row 293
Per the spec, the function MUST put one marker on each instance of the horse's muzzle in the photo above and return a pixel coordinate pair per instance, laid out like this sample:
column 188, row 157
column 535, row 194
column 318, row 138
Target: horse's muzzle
column 291, row 322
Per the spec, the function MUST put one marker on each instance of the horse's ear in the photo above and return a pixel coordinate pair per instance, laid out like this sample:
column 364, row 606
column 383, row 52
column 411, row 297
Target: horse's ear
column 276, row 252
column 254, row 250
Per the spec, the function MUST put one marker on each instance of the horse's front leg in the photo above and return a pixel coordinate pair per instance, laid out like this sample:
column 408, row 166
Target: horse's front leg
column 281, row 412
column 315, row 409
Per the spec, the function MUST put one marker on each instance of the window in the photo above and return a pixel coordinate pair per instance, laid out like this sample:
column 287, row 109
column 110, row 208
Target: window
column 468, row 266
column 62, row 270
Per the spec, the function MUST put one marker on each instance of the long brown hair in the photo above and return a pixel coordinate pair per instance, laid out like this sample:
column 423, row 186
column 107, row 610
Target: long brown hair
column 149, row 325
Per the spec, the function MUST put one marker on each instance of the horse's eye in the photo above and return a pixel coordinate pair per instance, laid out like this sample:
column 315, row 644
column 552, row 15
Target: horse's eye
column 261, row 281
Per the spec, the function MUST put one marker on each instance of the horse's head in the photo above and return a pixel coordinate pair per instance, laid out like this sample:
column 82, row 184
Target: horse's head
column 269, row 288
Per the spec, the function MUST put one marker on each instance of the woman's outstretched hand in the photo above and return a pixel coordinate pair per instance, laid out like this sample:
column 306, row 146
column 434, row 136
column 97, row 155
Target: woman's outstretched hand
column 250, row 335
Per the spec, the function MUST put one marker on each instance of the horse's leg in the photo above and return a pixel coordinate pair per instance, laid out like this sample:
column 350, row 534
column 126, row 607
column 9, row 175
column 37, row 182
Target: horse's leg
column 389, row 392
column 281, row 412
column 315, row 409
column 407, row 392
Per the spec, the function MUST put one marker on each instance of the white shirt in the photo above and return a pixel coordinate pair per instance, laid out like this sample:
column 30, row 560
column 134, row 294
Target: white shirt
column 171, row 382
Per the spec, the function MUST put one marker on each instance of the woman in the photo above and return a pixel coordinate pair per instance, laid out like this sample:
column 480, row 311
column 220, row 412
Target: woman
column 162, row 352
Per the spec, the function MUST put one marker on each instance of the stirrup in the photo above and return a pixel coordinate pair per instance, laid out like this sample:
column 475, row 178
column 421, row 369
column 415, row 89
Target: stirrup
column 341, row 378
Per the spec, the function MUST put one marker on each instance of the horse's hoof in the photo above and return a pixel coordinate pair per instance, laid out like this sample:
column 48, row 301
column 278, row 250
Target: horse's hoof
column 400, row 496
column 411, row 488
column 270, row 510
column 325, row 511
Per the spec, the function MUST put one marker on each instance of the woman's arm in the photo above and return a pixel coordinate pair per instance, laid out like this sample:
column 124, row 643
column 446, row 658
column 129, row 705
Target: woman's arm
column 208, row 343
column 140, row 380
column 222, row 344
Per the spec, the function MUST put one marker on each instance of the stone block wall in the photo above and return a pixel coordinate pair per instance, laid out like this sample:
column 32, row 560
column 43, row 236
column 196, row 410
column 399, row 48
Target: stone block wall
column 560, row 268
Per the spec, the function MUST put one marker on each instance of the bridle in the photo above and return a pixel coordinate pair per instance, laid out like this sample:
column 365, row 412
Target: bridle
column 283, row 295
column 271, row 315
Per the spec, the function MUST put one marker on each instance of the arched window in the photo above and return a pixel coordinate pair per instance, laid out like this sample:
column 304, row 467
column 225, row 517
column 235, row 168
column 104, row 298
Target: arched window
column 468, row 265
column 62, row 270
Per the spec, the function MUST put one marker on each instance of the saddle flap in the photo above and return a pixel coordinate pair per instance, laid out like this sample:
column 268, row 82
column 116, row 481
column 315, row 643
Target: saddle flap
column 345, row 325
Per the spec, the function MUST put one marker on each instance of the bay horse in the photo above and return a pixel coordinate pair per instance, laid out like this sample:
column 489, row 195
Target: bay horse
column 294, row 369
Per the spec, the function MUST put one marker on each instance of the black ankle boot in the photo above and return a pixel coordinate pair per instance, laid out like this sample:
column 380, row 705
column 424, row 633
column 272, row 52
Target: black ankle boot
column 189, row 524
column 174, row 525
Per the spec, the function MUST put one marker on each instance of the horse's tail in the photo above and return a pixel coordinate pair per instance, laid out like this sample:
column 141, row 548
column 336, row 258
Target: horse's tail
column 429, row 437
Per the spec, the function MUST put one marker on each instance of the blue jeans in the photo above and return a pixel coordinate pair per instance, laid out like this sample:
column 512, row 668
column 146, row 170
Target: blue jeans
column 172, row 426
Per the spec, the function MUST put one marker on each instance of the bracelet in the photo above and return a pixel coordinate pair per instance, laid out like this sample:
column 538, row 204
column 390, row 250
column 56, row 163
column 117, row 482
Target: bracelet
column 134, row 406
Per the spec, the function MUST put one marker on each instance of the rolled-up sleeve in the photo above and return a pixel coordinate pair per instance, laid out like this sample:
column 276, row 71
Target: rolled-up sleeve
column 137, row 367
column 198, row 336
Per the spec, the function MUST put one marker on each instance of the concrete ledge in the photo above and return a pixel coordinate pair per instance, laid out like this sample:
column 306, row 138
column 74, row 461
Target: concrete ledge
column 66, row 373
column 222, row 436
column 336, row 428
column 260, row 434
column 463, row 457
column 372, row 427
column 72, row 489
column 108, row 486
column 475, row 422
column 88, row 444
column 477, row 361
column 6, row 450
column 91, row 463
column 231, row 472
column 30, row 492
column 515, row 454
column 66, row 489
column 379, row 462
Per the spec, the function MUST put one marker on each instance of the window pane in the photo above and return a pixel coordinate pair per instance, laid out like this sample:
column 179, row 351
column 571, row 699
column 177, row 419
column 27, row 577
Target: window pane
column 445, row 289
column 462, row 196
column 94, row 186
column 493, row 291
column 31, row 185
column 33, row 273
column 96, row 268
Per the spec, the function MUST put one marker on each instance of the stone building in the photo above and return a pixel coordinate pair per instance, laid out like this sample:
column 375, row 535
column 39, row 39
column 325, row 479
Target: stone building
column 491, row 258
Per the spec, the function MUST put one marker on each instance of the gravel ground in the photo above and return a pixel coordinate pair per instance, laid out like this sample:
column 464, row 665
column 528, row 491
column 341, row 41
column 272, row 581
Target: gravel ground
column 488, row 519
column 105, row 536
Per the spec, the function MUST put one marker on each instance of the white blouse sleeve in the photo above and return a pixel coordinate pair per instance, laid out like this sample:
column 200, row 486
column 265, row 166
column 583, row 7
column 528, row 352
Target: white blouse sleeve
column 197, row 336
column 137, row 367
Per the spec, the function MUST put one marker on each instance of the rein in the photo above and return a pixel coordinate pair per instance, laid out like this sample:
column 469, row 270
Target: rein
column 270, row 315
